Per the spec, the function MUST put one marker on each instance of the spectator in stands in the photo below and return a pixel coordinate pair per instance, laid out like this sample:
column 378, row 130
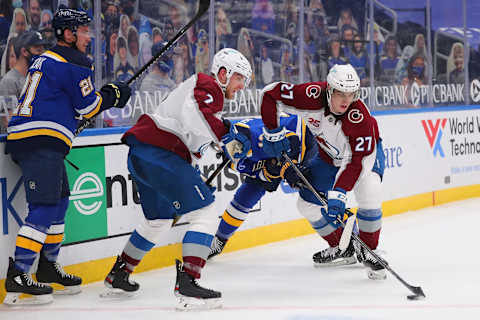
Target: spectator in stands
column 389, row 61
column 46, row 26
column 177, row 17
column 124, row 24
column 145, row 49
column 346, row 18
column 416, row 70
column 133, row 47
column 317, row 6
column 223, row 30
column 168, row 31
column 111, row 50
column 358, row 58
column 8, row 58
column 124, row 71
column 19, row 23
column 263, row 17
column 157, row 35
column 378, row 40
column 27, row 45
column 292, row 32
column 401, row 68
column 266, row 66
column 201, row 54
column 138, row 20
column 455, row 68
column 158, row 79
column 6, row 15
column 334, row 50
column 182, row 61
column 419, row 45
column 111, row 15
column 34, row 14
column 348, row 32
column 111, row 11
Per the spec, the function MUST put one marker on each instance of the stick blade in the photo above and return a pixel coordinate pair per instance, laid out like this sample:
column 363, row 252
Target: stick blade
column 418, row 294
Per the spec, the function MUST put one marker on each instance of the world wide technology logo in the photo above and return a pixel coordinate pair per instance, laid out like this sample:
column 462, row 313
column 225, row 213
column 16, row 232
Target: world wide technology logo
column 434, row 132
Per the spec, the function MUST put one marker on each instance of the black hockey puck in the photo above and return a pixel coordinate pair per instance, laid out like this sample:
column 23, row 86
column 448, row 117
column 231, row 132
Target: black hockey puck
column 415, row 297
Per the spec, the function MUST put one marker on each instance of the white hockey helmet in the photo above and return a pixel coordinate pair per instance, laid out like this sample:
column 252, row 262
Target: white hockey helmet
column 233, row 61
column 343, row 78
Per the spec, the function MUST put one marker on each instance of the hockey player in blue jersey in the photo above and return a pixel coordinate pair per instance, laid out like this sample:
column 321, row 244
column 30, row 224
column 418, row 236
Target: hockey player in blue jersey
column 57, row 93
column 263, row 173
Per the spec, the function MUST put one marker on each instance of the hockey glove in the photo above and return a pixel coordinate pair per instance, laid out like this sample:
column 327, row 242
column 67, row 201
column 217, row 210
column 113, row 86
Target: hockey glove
column 236, row 145
column 336, row 206
column 274, row 142
column 116, row 94
column 293, row 179
column 270, row 171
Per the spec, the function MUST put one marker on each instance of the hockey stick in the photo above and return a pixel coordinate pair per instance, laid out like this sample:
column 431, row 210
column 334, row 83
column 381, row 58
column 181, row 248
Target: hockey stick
column 202, row 8
column 417, row 291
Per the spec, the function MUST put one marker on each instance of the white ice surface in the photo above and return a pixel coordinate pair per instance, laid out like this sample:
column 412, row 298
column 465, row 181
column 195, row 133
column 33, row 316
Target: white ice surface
column 435, row 248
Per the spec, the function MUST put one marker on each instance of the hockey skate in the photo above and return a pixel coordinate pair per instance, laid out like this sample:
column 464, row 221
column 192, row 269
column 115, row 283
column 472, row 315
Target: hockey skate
column 335, row 257
column 118, row 282
column 52, row 272
column 191, row 296
column 18, row 283
column 375, row 270
column 217, row 246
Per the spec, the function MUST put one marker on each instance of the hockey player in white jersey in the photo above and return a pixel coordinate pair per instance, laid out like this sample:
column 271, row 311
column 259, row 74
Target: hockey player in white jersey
column 350, row 159
column 164, row 147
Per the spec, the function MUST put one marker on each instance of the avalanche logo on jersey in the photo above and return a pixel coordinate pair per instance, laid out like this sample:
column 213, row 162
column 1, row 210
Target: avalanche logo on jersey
column 434, row 132
column 355, row 116
column 313, row 91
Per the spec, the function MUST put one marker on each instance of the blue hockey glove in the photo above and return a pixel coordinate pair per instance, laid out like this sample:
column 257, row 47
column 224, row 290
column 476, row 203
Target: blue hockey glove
column 236, row 145
column 274, row 142
column 336, row 206
column 116, row 94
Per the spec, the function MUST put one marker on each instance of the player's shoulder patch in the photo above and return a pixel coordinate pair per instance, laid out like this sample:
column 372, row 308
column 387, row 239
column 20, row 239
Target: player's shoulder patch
column 313, row 91
column 358, row 113
column 210, row 92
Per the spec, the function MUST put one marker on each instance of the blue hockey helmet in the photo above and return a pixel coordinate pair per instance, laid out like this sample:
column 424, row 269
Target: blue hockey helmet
column 68, row 19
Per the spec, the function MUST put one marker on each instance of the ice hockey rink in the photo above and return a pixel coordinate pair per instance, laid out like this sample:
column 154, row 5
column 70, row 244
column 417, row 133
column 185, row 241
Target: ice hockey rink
column 435, row 248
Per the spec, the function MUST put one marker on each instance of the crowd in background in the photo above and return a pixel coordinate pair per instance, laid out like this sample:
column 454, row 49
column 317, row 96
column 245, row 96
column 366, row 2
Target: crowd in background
column 265, row 31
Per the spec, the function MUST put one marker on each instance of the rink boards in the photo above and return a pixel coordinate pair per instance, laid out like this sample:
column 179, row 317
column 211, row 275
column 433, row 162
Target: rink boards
column 432, row 157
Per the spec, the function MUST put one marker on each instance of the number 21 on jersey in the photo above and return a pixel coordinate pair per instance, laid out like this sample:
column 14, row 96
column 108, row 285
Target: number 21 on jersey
column 29, row 90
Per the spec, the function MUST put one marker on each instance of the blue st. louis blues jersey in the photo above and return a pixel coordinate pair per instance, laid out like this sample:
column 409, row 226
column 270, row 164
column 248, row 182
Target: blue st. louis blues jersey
column 58, row 90
column 302, row 143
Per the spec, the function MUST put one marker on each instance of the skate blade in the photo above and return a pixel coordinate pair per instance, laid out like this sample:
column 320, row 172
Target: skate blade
column 336, row 262
column 66, row 291
column 192, row 304
column 18, row 299
column 116, row 293
column 377, row 274
column 60, row 290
